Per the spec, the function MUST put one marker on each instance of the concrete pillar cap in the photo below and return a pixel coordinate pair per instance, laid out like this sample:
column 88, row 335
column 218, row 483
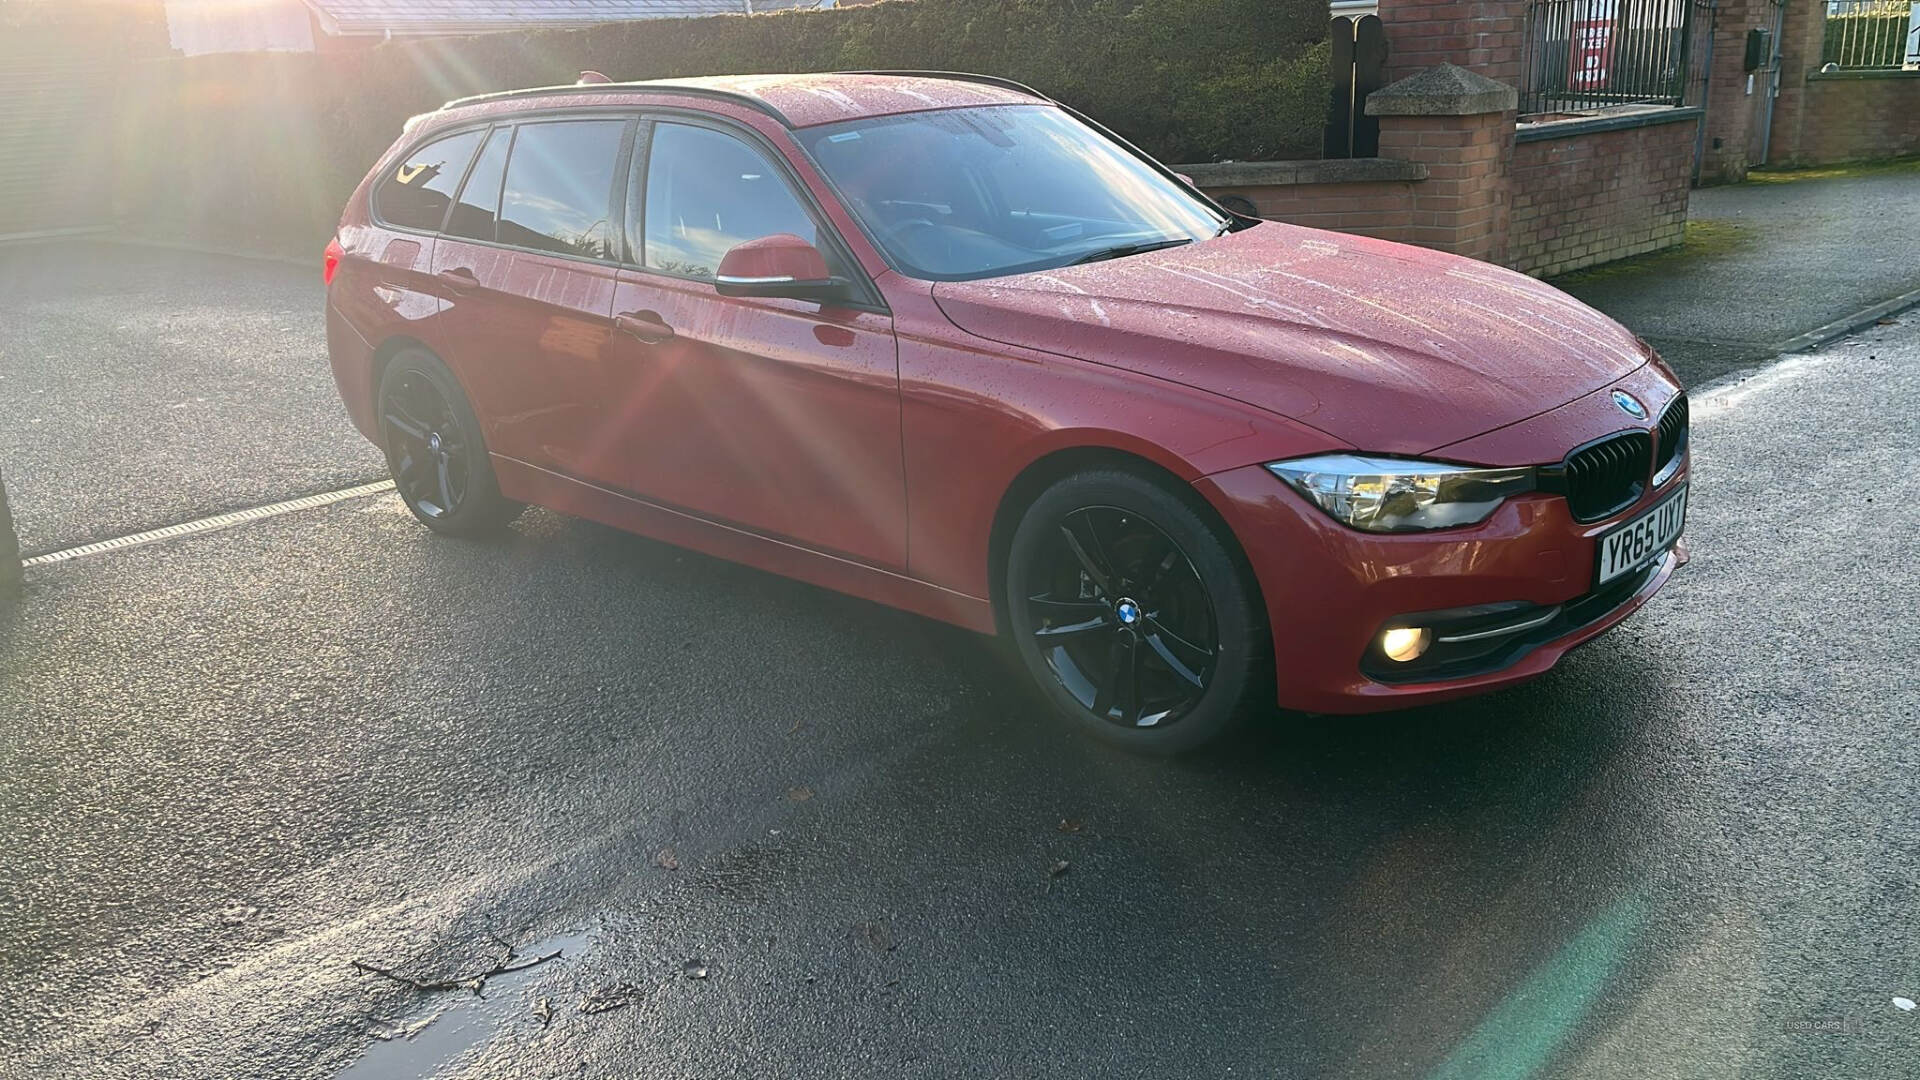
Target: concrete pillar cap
column 1442, row 90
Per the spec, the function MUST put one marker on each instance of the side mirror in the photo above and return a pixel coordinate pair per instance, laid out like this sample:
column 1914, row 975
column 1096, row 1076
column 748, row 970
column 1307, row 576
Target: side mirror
column 777, row 265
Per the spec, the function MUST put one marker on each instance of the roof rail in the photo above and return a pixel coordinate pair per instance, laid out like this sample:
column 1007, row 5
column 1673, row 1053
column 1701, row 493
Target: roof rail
column 659, row 86
column 958, row 76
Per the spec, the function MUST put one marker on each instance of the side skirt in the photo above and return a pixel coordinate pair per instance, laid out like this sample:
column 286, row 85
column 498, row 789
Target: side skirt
column 531, row 484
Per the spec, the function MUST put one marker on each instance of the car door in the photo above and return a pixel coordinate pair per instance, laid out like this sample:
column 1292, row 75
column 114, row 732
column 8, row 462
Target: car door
column 527, row 266
column 409, row 205
column 779, row 415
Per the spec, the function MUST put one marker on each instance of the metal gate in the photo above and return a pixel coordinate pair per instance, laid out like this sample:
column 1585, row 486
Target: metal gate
column 1763, row 83
column 1359, row 60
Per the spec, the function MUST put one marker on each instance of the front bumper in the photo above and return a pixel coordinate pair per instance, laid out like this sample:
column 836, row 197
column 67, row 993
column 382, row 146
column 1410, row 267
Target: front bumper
column 1329, row 590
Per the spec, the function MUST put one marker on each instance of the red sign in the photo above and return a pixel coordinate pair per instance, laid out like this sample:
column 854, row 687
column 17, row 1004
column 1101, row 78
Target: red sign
column 1591, row 55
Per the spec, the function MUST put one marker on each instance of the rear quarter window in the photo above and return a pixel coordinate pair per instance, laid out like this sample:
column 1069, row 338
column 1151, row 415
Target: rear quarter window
column 417, row 192
column 558, row 194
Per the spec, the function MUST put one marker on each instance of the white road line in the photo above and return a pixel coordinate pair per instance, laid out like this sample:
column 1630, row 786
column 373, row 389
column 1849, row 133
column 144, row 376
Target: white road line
column 1724, row 396
column 209, row 524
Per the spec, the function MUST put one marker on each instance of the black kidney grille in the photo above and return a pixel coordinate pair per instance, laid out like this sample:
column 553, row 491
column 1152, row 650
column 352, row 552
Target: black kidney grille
column 1673, row 433
column 1608, row 475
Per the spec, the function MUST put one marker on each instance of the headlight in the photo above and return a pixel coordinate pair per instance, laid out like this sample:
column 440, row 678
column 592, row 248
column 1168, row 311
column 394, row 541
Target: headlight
column 1388, row 495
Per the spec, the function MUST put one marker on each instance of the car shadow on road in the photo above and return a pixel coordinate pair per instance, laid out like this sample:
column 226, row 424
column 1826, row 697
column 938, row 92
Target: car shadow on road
column 1414, row 869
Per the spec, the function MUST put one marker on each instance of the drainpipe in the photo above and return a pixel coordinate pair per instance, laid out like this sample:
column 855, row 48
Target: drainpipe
column 9, row 554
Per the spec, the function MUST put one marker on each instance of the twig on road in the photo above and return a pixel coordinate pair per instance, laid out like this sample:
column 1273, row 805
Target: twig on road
column 475, row 982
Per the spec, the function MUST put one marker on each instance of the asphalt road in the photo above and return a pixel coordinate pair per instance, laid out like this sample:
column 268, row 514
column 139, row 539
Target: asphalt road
column 777, row 832
column 140, row 387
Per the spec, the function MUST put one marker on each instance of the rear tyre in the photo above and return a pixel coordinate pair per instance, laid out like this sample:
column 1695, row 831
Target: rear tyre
column 1133, row 611
column 435, row 450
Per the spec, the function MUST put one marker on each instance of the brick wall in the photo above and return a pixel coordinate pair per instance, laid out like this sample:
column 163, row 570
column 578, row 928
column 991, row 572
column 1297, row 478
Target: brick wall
column 1595, row 196
column 1844, row 117
column 1382, row 209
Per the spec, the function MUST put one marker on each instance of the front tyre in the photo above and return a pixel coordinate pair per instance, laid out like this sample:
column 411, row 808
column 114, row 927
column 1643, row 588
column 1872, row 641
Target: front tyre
column 435, row 450
column 1133, row 611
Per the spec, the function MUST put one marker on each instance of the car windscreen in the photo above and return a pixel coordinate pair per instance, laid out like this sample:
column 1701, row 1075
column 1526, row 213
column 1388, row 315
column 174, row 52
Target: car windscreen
column 959, row 194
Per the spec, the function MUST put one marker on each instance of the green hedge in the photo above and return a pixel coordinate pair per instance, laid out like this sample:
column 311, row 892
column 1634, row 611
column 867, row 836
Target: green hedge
column 263, row 149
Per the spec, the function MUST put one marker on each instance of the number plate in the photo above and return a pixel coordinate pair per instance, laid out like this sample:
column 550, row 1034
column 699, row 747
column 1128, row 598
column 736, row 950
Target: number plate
column 1642, row 540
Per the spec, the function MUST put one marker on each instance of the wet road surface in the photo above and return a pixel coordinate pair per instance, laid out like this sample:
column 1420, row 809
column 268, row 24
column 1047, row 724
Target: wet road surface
column 777, row 832
column 140, row 387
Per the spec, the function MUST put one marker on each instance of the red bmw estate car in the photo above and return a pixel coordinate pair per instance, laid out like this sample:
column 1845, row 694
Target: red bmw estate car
column 940, row 342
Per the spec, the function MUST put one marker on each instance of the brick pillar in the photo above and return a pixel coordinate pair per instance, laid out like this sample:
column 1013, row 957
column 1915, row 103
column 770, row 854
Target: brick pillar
column 1802, row 34
column 1460, row 126
column 1730, row 104
column 1484, row 35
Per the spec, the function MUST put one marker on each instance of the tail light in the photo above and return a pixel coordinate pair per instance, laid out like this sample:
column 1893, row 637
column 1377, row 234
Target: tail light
column 332, row 260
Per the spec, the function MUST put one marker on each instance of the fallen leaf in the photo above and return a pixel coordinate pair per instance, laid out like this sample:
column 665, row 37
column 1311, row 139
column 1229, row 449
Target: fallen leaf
column 1888, row 321
column 1071, row 825
column 544, row 1012
column 666, row 859
column 876, row 935
column 800, row 794
column 1059, row 868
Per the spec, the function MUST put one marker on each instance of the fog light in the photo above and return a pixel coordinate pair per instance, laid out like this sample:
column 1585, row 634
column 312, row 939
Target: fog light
column 1404, row 643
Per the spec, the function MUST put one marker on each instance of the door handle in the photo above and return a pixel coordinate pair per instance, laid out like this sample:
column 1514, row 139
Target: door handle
column 459, row 279
column 646, row 327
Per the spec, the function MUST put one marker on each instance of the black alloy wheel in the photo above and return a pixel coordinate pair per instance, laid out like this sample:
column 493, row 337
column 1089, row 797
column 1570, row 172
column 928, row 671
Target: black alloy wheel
column 1131, row 613
column 434, row 448
column 1124, row 621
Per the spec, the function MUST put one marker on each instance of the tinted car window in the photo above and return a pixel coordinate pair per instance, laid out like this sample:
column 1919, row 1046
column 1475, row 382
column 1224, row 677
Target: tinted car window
column 473, row 213
column 416, row 193
column 559, row 187
column 706, row 192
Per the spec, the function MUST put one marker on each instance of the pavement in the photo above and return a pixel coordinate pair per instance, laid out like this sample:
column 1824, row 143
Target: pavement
column 267, row 789
column 1764, row 263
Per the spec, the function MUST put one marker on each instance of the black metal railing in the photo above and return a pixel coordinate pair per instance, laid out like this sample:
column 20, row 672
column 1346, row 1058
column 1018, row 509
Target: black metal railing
column 1583, row 56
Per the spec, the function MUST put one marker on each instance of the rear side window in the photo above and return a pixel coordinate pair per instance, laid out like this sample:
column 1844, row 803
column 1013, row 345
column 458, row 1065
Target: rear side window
column 479, row 199
column 415, row 195
column 559, row 189
column 706, row 192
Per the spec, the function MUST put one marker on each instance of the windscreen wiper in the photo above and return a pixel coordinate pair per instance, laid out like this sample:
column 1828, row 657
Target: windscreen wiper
column 1121, row 251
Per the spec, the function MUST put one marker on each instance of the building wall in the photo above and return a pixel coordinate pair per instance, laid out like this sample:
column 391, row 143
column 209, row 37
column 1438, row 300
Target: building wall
column 1597, row 196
